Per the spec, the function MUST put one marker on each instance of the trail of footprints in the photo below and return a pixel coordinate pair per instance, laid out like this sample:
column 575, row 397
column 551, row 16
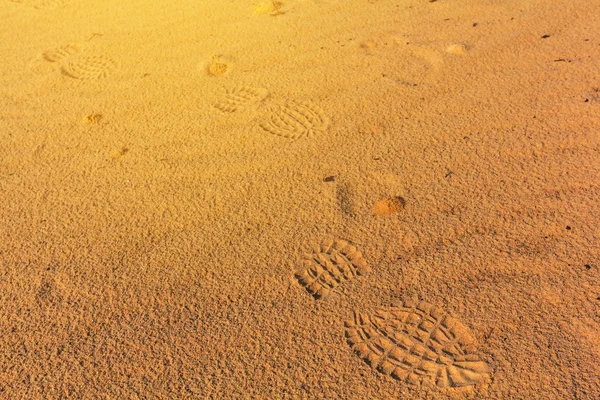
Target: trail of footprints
column 416, row 343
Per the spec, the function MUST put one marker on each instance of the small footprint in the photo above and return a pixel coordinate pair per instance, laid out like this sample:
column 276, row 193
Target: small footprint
column 414, row 61
column 295, row 120
column 120, row 152
column 329, row 265
column 389, row 206
column 218, row 66
column 458, row 49
column 269, row 7
column 90, row 67
column 417, row 343
column 49, row 4
column 92, row 119
column 241, row 97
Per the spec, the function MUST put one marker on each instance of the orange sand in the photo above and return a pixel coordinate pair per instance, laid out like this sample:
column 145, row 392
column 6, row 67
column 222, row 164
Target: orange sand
column 170, row 169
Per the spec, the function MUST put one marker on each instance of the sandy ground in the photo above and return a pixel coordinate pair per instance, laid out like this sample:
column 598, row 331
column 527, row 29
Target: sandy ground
column 173, row 174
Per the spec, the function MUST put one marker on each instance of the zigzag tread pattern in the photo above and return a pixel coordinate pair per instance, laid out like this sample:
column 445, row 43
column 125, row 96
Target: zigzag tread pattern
column 295, row 120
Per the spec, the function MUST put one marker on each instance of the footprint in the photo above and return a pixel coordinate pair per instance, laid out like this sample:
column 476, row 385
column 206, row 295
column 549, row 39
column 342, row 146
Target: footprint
column 90, row 67
column 48, row 61
column 345, row 195
column 330, row 265
column 269, row 7
column 417, row 343
column 62, row 52
column 295, row 120
column 241, row 97
column 218, row 66
column 389, row 206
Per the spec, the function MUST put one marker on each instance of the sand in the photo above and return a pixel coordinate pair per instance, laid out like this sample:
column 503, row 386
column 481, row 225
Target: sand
column 305, row 199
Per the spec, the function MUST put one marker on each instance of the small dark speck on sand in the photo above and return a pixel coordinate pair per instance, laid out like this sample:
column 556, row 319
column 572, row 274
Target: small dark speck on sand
column 545, row 36
column 329, row 178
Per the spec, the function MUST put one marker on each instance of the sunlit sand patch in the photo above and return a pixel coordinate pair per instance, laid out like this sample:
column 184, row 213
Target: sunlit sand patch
column 389, row 206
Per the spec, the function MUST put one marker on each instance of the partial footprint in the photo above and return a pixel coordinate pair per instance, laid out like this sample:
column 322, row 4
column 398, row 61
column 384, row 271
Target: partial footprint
column 417, row 343
column 269, row 7
column 62, row 52
column 90, row 67
column 241, row 97
column 413, row 61
column 329, row 266
column 295, row 120
column 49, row 61
column 49, row 4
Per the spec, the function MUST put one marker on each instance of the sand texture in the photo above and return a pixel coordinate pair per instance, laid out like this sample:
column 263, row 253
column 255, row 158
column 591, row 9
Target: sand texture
column 299, row 199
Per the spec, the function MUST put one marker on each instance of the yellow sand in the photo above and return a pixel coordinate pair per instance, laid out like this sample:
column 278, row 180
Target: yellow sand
column 165, row 166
